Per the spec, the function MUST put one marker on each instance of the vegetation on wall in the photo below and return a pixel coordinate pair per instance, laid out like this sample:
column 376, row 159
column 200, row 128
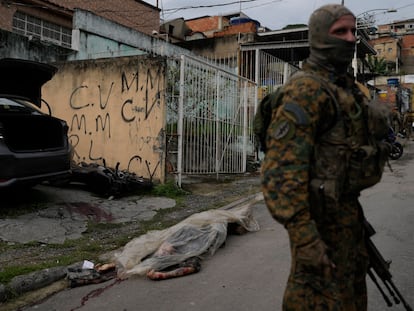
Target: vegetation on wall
column 377, row 65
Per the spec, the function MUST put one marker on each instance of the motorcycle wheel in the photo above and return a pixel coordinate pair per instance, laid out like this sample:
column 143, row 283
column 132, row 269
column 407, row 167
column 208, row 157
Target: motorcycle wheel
column 396, row 151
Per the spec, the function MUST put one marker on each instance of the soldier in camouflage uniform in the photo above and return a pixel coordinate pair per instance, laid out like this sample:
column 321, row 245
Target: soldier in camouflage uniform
column 321, row 151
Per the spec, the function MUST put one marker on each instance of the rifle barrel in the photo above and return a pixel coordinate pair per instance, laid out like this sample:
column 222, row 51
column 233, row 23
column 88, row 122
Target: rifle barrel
column 374, row 279
column 381, row 268
column 397, row 292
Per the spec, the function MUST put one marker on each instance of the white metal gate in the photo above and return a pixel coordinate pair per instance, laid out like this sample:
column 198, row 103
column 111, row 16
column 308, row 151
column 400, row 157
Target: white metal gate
column 268, row 71
column 209, row 119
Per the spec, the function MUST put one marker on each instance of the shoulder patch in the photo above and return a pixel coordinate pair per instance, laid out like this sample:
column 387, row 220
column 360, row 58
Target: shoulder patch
column 283, row 129
column 298, row 112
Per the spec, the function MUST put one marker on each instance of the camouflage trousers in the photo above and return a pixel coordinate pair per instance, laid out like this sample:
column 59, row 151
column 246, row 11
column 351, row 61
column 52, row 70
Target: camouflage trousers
column 345, row 289
column 306, row 296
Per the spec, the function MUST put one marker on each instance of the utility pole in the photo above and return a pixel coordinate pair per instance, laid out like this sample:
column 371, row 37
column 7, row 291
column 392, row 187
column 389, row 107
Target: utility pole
column 342, row 2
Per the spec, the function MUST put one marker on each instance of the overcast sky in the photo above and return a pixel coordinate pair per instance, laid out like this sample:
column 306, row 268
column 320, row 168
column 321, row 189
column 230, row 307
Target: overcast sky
column 275, row 14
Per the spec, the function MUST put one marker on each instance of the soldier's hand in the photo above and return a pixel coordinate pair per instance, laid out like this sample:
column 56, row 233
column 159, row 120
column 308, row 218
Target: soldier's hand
column 314, row 255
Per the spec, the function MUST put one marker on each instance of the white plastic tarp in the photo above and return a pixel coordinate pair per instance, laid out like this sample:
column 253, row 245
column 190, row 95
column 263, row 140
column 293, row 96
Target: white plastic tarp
column 199, row 235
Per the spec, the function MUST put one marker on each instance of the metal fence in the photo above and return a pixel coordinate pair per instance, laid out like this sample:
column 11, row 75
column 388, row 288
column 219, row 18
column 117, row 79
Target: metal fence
column 209, row 118
column 268, row 71
column 210, row 110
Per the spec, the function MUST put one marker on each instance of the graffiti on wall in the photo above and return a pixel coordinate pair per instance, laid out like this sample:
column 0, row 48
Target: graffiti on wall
column 119, row 120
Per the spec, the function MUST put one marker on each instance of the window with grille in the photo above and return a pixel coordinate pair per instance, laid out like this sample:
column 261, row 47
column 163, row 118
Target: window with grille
column 37, row 28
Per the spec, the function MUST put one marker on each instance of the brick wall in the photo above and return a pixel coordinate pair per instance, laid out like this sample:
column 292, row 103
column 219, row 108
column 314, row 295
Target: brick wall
column 6, row 17
column 134, row 14
column 218, row 26
column 207, row 24
column 386, row 48
column 407, row 45
column 249, row 27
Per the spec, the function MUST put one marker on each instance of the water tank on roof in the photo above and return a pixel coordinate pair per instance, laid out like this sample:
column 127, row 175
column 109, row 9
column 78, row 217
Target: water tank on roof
column 242, row 20
column 393, row 81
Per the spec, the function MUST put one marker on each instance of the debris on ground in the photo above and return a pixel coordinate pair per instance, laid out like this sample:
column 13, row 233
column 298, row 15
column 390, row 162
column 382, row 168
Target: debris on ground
column 89, row 273
column 107, row 181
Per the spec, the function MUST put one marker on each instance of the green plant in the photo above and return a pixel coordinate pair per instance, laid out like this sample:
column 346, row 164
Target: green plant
column 377, row 65
column 168, row 189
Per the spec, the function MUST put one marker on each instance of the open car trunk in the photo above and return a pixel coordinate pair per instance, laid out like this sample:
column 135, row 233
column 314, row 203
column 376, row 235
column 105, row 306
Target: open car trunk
column 28, row 133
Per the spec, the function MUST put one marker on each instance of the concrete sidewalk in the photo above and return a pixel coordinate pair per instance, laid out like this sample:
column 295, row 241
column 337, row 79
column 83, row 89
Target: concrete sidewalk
column 68, row 211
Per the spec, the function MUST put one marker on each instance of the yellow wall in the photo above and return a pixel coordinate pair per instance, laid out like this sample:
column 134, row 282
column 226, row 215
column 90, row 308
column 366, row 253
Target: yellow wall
column 115, row 111
column 387, row 50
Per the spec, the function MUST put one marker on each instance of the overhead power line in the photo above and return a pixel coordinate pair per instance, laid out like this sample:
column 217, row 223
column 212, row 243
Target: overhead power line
column 263, row 4
column 208, row 5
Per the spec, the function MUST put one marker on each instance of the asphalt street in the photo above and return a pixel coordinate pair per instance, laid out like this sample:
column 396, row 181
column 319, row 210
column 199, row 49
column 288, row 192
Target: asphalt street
column 250, row 272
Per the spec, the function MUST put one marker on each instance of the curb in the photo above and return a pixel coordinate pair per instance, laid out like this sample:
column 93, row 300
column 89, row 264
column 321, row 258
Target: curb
column 253, row 198
column 35, row 280
column 22, row 284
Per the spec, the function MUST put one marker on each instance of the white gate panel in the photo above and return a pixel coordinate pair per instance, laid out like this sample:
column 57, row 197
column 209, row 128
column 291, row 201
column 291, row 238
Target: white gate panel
column 211, row 115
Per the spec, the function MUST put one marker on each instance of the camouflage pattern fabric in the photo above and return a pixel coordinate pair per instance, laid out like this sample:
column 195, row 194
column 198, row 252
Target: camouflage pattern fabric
column 297, row 155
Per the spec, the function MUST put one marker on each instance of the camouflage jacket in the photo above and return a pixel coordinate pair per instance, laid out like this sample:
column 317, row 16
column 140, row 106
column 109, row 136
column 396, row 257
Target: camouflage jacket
column 302, row 149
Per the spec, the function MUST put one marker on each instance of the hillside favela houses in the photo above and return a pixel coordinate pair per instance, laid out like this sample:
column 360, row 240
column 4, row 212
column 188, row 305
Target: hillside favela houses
column 394, row 64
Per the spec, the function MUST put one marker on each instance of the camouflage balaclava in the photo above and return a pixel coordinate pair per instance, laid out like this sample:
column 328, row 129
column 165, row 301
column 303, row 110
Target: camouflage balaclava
column 325, row 50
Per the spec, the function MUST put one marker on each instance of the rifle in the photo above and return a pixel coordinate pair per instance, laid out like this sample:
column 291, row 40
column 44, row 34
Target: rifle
column 379, row 266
